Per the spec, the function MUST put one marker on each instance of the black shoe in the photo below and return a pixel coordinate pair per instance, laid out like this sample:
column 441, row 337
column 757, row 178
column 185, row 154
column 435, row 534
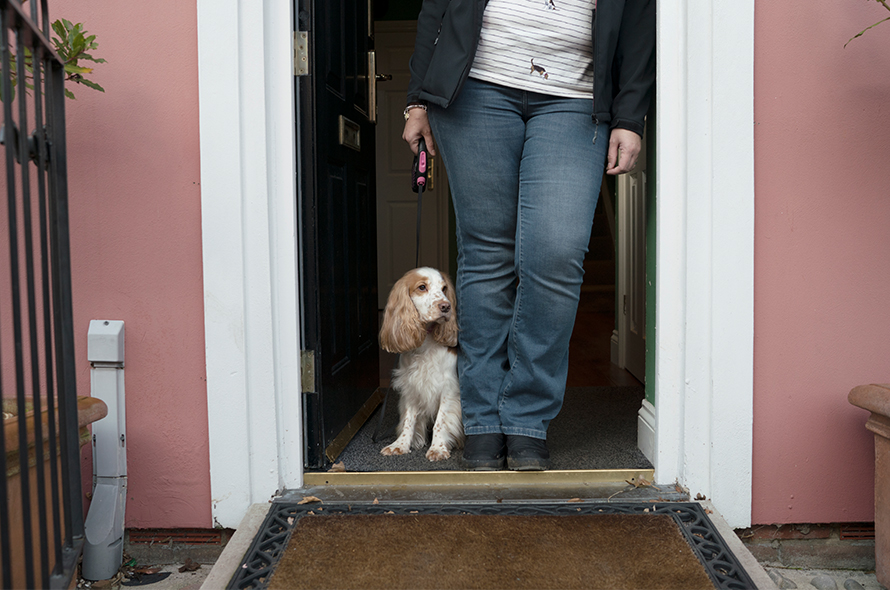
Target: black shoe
column 525, row 453
column 484, row 452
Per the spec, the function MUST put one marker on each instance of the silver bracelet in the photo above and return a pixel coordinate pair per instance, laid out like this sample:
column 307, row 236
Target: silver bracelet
column 412, row 106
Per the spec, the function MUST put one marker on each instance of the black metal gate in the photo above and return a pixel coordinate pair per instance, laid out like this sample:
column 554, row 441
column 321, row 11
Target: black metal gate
column 41, row 515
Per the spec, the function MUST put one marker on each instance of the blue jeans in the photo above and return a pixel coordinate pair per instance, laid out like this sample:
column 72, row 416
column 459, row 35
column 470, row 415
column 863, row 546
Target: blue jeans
column 525, row 172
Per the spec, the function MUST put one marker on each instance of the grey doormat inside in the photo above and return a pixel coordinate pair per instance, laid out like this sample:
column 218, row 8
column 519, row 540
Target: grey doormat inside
column 632, row 545
column 596, row 429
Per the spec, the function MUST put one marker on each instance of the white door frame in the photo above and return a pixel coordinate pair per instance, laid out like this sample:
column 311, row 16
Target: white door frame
column 704, row 355
column 249, row 235
column 705, row 255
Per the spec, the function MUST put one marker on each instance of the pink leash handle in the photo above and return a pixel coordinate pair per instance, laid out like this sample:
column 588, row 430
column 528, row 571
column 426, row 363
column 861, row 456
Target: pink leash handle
column 421, row 167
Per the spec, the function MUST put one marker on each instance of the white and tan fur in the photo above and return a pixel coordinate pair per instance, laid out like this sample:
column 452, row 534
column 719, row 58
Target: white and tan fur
column 420, row 324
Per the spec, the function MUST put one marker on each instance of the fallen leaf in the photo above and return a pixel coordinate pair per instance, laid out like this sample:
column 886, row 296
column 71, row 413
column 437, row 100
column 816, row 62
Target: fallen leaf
column 310, row 512
column 575, row 500
column 413, row 511
column 700, row 497
column 337, row 468
column 309, row 500
column 290, row 520
column 389, row 512
column 189, row 566
column 146, row 570
column 376, row 501
column 645, row 510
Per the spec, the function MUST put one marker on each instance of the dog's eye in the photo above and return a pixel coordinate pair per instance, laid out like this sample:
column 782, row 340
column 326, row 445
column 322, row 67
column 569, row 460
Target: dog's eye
column 422, row 287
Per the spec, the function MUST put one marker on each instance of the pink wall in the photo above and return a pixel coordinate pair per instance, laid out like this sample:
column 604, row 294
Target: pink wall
column 133, row 157
column 822, row 255
column 822, row 258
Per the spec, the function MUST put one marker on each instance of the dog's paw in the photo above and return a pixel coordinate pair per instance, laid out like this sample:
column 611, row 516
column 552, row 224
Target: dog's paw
column 394, row 449
column 437, row 454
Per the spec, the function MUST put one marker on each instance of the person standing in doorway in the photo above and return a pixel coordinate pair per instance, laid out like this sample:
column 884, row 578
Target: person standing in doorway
column 529, row 102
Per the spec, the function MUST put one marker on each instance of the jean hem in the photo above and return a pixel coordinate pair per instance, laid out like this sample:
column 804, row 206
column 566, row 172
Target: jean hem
column 530, row 432
column 471, row 430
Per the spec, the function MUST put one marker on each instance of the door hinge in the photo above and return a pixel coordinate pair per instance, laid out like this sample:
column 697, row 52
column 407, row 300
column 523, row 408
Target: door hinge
column 307, row 371
column 301, row 53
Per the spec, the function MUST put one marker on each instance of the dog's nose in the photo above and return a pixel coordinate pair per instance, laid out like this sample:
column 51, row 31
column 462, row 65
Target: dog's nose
column 444, row 307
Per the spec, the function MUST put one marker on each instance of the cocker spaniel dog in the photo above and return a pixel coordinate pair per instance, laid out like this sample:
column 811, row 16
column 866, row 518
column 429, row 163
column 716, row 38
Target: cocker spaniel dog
column 420, row 324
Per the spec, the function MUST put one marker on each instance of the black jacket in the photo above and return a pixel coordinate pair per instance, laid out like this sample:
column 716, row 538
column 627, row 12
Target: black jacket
column 623, row 53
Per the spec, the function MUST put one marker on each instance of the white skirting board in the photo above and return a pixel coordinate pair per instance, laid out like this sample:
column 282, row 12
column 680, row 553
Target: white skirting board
column 646, row 430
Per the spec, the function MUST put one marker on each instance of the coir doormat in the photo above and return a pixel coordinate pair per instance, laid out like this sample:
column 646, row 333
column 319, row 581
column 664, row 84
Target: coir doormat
column 505, row 545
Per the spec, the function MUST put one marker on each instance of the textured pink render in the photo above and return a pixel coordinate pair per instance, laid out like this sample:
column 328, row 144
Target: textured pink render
column 133, row 161
column 822, row 255
column 822, row 250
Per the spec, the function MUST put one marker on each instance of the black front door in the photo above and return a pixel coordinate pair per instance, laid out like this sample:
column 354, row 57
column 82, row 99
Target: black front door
column 337, row 180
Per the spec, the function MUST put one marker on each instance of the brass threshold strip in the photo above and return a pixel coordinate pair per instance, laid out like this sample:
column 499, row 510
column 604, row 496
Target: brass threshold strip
column 353, row 426
column 553, row 477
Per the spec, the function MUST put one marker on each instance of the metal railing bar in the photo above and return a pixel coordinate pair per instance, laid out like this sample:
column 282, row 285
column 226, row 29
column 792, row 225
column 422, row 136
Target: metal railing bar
column 44, row 12
column 70, row 556
column 31, row 32
column 5, row 553
column 40, row 306
column 28, row 246
column 47, row 323
column 10, row 135
column 65, row 369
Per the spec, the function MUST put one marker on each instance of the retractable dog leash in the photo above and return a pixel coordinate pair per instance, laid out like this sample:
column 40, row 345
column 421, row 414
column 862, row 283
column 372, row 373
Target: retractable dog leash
column 419, row 176
column 418, row 184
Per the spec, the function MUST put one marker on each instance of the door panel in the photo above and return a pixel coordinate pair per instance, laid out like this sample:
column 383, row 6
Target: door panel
column 631, row 313
column 396, row 203
column 337, row 176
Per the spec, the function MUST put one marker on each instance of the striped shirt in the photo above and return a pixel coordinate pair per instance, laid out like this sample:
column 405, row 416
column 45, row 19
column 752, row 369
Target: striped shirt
column 539, row 45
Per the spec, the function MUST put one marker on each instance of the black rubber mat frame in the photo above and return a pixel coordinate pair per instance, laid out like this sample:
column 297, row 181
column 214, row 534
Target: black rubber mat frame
column 724, row 569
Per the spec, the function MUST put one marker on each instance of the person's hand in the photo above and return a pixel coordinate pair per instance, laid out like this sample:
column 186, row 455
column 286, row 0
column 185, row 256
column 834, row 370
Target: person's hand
column 624, row 149
column 417, row 126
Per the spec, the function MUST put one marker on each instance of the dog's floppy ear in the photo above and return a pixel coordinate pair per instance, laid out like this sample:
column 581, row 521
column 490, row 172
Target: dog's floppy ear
column 446, row 332
column 402, row 329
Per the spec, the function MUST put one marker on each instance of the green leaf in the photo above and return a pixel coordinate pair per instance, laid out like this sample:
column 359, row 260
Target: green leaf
column 90, row 84
column 860, row 33
column 59, row 29
column 69, row 94
column 73, row 69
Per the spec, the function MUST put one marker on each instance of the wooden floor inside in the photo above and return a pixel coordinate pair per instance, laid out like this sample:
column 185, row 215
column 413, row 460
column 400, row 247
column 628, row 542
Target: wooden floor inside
column 590, row 350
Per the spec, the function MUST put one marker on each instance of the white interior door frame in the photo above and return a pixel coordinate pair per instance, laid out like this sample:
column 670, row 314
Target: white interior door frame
column 705, row 253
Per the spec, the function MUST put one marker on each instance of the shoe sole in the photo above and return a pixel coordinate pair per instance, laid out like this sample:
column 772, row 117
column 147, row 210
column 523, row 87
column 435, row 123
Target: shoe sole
column 482, row 465
column 527, row 464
